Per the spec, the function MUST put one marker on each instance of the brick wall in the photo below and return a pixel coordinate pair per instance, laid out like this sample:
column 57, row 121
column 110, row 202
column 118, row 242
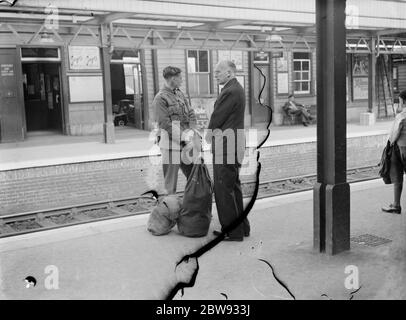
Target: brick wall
column 65, row 185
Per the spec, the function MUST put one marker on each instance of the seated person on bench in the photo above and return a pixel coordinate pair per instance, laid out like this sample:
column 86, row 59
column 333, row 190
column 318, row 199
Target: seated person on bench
column 292, row 107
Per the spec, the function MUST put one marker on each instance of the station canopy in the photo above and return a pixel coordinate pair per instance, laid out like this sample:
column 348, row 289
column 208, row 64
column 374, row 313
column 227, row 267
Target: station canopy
column 260, row 25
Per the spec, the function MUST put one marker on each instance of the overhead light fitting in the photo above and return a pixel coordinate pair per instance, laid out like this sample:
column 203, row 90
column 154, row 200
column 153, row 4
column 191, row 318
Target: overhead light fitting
column 274, row 38
column 46, row 37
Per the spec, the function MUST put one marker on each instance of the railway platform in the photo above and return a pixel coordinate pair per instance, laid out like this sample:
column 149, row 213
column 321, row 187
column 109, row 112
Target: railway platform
column 119, row 259
column 49, row 172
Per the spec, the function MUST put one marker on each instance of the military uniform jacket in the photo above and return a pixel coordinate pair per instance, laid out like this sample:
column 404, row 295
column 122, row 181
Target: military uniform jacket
column 171, row 113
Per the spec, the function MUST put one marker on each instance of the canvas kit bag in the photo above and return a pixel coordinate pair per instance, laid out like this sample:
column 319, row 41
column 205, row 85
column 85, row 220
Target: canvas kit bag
column 192, row 214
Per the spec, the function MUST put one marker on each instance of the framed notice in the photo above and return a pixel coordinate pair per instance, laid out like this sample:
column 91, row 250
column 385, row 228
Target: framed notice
column 6, row 70
column 84, row 58
column 85, row 88
column 282, row 77
column 261, row 57
column 359, row 65
column 232, row 55
column 360, row 88
column 283, row 83
column 282, row 63
column 360, row 76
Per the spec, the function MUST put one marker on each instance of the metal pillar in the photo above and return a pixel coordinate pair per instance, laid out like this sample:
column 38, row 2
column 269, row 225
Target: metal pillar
column 331, row 192
column 372, row 78
column 108, row 125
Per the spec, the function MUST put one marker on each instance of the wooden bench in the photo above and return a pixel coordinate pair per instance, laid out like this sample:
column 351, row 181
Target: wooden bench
column 292, row 119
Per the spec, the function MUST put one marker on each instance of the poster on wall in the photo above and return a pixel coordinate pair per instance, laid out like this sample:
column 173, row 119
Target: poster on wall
column 84, row 58
column 283, row 83
column 360, row 65
column 282, row 63
column 232, row 55
column 360, row 88
column 79, row 88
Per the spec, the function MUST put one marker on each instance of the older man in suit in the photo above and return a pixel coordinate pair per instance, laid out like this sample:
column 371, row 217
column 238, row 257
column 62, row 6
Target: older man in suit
column 226, row 133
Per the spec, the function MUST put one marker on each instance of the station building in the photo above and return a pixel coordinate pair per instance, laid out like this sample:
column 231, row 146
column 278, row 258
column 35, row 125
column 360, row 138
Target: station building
column 55, row 77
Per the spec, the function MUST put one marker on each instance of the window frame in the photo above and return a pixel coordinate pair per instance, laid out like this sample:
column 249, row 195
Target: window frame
column 208, row 73
column 39, row 57
column 309, row 71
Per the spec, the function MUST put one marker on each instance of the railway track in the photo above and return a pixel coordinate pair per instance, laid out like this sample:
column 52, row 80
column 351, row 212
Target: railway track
column 17, row 224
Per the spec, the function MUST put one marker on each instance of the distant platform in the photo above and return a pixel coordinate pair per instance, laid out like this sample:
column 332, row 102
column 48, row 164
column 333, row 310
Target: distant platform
column 47, row 148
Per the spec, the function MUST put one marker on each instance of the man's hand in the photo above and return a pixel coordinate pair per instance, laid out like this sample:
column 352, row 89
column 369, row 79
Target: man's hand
column 187, row 135
column 192, row 115
column 208, row 136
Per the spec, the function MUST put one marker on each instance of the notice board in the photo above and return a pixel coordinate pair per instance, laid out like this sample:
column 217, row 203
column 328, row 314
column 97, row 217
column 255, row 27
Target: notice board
column 85, row 88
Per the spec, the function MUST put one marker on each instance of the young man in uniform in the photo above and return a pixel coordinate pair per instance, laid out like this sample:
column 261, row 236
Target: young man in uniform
column 174, row 116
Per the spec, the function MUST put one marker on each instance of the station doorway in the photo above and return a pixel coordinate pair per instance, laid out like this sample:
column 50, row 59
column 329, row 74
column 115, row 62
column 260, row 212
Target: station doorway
column 42, row 90
column 126, row 89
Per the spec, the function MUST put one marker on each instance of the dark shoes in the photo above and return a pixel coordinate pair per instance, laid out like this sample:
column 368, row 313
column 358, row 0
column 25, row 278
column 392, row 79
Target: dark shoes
column 216, row 233
column 305, row 124
column 392, row 209
column 228, row 238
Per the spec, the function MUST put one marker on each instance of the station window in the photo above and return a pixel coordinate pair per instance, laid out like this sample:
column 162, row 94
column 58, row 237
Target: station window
column 40, row 54
column 123, row 56
column 301, row 72
column 198, row 72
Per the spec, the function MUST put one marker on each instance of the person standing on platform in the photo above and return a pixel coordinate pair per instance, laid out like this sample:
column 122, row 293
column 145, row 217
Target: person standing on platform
column 228, row 118
column 398, row 166
column 174, row 116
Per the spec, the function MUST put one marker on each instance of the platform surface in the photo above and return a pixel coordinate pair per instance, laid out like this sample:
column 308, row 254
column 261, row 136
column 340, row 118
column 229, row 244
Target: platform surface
column 121, row 260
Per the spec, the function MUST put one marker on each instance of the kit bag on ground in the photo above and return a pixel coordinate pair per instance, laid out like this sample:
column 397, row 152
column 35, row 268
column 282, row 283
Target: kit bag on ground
column 195, row 215
column 163, row 217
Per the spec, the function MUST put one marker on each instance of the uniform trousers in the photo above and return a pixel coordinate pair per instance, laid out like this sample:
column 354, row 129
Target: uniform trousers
column 171, row 162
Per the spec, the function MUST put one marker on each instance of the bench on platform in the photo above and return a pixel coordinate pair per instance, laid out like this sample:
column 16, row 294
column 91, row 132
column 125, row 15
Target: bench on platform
column 291, row 119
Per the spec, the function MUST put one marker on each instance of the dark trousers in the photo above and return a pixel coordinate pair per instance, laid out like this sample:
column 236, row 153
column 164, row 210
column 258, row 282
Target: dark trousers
column 228, row 196
column 171, row 162
column 305, row 115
